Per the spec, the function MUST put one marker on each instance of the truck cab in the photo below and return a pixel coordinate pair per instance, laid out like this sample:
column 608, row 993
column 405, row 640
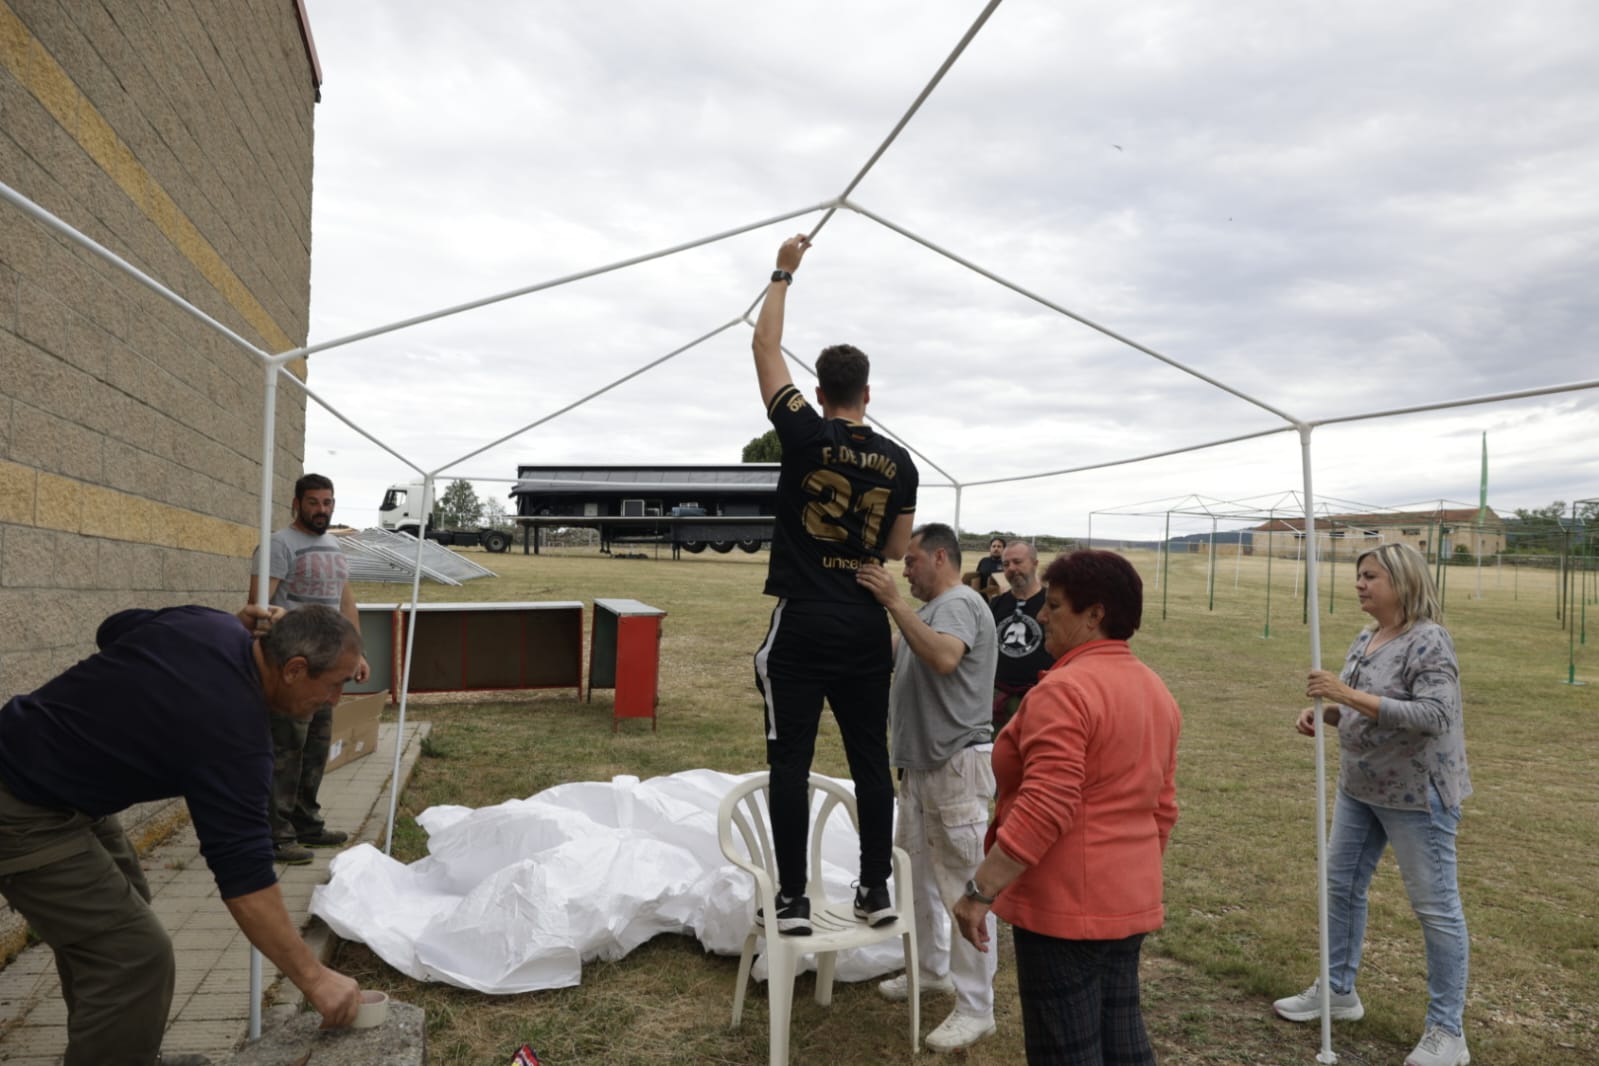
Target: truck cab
column 401, row 510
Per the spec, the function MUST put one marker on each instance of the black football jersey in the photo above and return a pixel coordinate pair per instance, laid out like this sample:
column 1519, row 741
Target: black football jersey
column 841, row 489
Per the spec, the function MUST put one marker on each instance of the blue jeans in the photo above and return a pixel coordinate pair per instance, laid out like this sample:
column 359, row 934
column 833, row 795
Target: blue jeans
column 1424, row 845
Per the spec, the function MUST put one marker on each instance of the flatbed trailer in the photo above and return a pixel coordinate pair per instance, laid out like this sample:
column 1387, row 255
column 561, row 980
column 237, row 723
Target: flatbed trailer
column 720, row 507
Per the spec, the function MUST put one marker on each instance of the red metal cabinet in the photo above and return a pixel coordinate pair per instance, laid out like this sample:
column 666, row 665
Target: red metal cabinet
column 625, row 655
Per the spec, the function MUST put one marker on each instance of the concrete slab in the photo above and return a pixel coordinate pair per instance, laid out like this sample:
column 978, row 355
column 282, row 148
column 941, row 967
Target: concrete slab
column 400, row 1041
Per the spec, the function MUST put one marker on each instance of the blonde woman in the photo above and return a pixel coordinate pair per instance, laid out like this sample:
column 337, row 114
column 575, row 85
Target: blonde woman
column 1402, row 777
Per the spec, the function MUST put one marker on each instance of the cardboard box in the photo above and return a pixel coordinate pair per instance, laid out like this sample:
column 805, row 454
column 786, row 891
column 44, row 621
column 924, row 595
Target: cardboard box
column 355, row 728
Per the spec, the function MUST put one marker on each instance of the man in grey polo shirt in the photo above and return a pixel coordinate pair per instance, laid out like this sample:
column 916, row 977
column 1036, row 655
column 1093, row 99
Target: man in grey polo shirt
column 940, row 723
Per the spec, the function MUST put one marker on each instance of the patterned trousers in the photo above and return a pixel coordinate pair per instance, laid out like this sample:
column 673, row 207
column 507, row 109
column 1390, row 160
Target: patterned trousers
column 1080, row 1001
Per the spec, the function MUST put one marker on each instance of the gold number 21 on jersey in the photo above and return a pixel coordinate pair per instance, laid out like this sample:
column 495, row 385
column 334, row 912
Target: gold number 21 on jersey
column 834, row 499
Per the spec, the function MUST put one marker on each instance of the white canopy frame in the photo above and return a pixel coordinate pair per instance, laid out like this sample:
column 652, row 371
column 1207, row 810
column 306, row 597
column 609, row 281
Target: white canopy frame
column 274, row 367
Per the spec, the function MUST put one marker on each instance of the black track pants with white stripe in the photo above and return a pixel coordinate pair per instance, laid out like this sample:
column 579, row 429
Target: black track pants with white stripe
column 817, row 651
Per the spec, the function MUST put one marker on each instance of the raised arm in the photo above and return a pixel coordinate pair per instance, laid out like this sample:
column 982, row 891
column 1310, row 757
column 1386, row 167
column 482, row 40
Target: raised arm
column 771, row 371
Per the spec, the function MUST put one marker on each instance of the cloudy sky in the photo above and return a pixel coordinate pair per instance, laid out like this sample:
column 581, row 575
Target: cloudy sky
column 1332, row 209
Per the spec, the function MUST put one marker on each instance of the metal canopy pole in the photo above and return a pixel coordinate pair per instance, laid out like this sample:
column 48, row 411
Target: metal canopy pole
column 1443, row 565
column 1271, row 543
column 1059, row 309
column 1332, row 568
column 263, row 585
column 1165, row 547
column 426, row 512
column 1326, row 1054
column 1299, row 569
column 1439, row 532
column 1567, row 580
column 831, row 208
column 526, row 290
column 1211, row 577
column 1478, row 531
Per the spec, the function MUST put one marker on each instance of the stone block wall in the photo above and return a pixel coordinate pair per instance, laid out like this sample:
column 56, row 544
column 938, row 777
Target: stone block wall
column 177, row 134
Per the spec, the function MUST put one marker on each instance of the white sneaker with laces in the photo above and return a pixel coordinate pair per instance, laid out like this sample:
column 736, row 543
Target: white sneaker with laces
column 1306, row 1007
column 1439, row 1047
column 898, row 988
column 960, row 1031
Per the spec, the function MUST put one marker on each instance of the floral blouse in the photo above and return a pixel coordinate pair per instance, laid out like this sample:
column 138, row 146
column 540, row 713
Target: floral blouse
column 1418, row 737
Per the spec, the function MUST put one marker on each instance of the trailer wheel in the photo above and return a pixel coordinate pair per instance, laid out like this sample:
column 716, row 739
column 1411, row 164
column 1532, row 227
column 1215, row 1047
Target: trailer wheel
column 693, row 546
column 721, row 547
column 750, row 546
column 496, row 541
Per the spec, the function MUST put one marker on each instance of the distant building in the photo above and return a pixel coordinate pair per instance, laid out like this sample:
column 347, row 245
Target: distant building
column 1429, row 532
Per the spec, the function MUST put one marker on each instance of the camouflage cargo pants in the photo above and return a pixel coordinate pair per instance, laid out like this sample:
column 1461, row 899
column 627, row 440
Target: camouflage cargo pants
column 300, row 756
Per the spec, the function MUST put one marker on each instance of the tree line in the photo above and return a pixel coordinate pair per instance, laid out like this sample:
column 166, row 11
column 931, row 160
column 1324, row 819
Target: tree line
column 1551, row 529
column 460, row 507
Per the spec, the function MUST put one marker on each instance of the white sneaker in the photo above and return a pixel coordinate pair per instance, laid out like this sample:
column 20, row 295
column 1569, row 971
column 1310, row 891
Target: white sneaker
column 1439, row 1047
column 1306, row 1007
column 960, row 1031
column 898, row 988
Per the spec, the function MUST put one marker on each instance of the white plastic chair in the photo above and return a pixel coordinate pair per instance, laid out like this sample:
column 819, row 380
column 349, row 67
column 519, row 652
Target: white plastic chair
column 834, row 925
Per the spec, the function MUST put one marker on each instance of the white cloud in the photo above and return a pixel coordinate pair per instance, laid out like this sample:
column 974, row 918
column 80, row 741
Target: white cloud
column 1333, row 210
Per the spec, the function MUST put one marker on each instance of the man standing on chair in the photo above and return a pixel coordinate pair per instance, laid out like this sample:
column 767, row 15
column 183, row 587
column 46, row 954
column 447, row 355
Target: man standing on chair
column 845, row 497
column 307, row 566
column 940, row 711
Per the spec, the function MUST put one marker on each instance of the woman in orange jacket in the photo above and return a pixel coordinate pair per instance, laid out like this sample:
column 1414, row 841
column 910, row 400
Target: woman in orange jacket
column 1086, row 778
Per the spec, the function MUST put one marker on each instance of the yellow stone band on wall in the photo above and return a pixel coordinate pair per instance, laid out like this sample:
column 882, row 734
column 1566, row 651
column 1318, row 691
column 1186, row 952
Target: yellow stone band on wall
column 30, row 497
column 33, row 65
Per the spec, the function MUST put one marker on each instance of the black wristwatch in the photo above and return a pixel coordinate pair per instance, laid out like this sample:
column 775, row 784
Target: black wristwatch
column 973, row 893
column 783, row 276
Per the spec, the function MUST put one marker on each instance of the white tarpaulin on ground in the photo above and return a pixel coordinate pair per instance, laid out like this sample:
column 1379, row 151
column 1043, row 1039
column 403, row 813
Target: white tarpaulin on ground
column 516, row 897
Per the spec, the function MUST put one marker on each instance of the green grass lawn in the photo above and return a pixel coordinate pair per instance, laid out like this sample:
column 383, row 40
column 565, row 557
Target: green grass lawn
column 1240, row 874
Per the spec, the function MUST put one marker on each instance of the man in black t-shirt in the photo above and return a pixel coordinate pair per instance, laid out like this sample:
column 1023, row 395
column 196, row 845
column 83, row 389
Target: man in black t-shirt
column 991, row 566
column 175, row 703
column 1022, row 655
column 845, row 495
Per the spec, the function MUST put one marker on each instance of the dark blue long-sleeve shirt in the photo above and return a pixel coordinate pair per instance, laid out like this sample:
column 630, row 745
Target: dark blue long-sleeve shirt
column 171, row 705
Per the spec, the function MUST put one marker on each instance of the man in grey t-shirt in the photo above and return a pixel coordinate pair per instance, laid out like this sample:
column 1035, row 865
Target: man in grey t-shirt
column 307, row 566
column 940, row 736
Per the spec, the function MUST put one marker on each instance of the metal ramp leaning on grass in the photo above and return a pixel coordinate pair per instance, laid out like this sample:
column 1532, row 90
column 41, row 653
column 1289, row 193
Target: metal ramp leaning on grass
column 380, row 555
